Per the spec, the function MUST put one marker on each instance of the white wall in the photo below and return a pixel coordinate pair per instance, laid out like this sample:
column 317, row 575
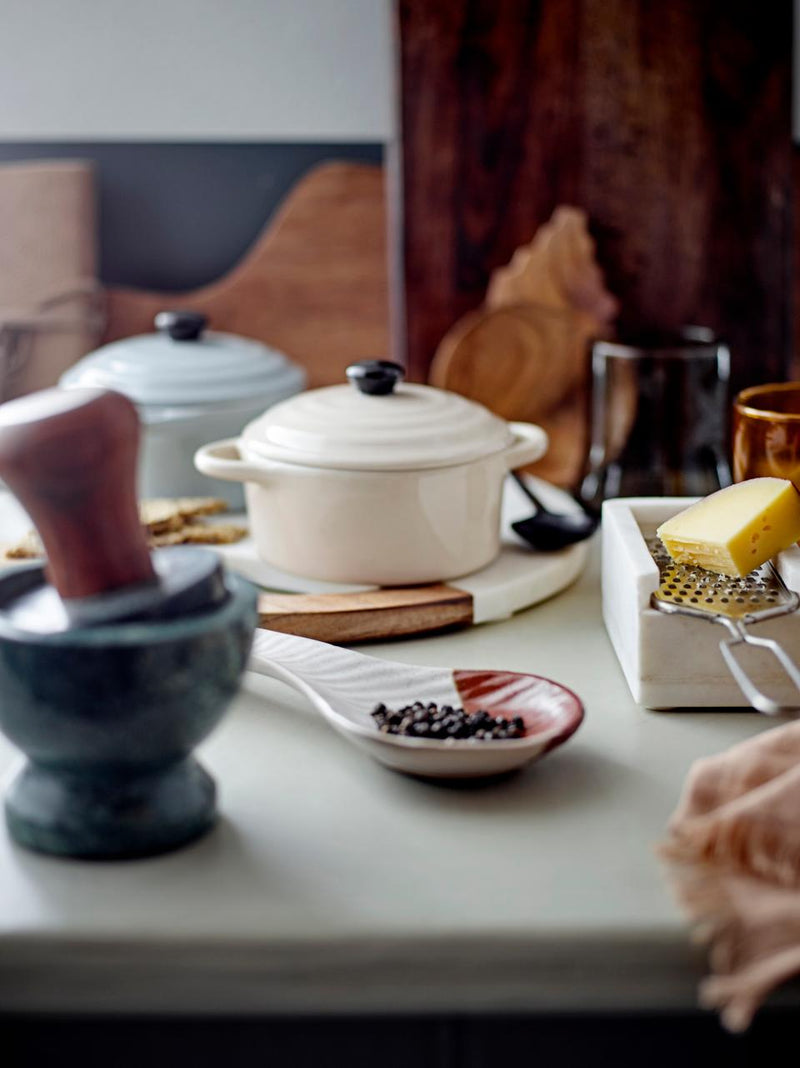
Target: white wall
column 233, row 70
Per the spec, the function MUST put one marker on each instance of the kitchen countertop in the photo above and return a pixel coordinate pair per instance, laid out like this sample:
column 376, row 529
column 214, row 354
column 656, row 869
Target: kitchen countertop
column 332, row 884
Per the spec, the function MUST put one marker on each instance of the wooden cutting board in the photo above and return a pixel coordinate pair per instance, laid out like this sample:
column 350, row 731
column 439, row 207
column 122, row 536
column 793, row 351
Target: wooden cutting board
column 377, row 614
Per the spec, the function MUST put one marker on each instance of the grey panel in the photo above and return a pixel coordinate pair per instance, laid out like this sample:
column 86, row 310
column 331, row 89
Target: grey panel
column 175, row 216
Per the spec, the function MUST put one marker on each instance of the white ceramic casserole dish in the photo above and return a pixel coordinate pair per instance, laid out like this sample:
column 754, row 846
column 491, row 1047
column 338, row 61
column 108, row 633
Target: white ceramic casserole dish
column 387, row 483
column 189, row 384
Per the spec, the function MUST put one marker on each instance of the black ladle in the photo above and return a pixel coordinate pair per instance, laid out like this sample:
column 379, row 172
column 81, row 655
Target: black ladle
column 549, row 531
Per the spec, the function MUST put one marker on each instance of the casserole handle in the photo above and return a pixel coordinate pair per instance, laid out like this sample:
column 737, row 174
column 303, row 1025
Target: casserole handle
column 221, row 459
column 530, row 443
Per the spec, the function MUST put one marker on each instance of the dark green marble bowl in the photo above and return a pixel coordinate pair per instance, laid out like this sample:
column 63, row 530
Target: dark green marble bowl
column 108, row 717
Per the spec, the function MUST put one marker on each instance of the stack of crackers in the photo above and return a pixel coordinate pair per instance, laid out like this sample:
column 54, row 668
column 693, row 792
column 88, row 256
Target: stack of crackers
column 178, row 521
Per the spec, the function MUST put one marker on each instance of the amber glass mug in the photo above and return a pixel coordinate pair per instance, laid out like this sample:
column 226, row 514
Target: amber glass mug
column 766, row 432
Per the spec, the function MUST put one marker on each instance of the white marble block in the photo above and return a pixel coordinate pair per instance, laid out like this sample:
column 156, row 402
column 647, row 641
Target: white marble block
column 674, row 661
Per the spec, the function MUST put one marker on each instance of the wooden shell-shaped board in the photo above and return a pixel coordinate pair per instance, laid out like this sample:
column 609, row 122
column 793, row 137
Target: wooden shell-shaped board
column 524, row 353
column 557, row 269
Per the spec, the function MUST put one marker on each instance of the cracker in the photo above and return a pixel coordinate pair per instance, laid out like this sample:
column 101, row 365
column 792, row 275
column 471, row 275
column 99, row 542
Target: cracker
column 28, row 547
column 161, row 514
column 166, row 521
column 199, row 534
column 189, row 507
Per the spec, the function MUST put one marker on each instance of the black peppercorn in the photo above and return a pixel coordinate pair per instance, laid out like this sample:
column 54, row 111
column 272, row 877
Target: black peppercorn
column 429, row 721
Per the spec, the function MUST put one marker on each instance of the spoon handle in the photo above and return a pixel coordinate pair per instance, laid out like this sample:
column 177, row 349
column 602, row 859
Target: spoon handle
column 344, row 680
column 523, row 485
column 593, row 513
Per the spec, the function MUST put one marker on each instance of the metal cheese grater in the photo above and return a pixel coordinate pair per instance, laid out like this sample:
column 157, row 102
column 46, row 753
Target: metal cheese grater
column 734, row 602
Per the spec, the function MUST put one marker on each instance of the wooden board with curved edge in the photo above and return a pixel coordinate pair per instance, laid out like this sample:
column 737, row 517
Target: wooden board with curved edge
column 313, row 285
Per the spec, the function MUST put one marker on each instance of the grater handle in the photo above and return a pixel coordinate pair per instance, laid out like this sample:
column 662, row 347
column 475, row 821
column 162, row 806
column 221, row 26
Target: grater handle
column 741, row 636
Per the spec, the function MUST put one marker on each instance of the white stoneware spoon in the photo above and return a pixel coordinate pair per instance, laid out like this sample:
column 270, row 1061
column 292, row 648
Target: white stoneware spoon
column 345, row 686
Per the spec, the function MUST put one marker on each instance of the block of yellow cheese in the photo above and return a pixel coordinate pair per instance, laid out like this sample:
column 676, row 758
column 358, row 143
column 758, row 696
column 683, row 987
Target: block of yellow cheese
column 736, row 529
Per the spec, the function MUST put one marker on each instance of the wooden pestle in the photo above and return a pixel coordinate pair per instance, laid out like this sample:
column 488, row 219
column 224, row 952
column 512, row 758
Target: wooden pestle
column 69, row 456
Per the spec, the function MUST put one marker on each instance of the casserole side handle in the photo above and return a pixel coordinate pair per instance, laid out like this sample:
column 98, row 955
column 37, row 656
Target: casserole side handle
column 222, row 459
column 529, row 444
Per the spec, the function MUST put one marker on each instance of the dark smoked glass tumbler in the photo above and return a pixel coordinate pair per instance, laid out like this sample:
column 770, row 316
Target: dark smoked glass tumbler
column 658, row 410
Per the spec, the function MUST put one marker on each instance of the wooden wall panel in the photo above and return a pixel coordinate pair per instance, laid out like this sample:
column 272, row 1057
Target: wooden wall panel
column 668, row 122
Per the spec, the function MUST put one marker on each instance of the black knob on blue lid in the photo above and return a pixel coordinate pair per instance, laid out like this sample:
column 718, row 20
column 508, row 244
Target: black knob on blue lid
column 376, row 377
column 181, row 325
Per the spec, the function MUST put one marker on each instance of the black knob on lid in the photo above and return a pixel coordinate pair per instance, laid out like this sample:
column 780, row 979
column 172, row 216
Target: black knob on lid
column 181, row 325
column 377, row 377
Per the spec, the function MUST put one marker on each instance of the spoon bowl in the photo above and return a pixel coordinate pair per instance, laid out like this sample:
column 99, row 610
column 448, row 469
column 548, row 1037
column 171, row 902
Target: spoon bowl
column 345, row 686
column 550, row 531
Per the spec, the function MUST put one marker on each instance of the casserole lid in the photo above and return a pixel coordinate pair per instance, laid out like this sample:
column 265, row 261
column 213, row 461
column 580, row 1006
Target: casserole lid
column 183, row 364
column 377, row 423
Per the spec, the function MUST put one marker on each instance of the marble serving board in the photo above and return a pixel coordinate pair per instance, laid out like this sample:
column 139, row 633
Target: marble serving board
column 517, row 579
column 672, row 661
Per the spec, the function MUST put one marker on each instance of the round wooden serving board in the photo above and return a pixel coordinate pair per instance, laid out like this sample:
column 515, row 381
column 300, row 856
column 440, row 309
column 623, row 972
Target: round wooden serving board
column 341, row 614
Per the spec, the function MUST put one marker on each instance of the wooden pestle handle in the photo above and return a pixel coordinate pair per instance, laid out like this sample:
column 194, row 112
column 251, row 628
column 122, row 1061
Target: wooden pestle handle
column 69, row 456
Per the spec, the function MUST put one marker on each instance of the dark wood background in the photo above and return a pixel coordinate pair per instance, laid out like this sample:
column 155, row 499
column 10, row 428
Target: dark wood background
column 669, row 122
